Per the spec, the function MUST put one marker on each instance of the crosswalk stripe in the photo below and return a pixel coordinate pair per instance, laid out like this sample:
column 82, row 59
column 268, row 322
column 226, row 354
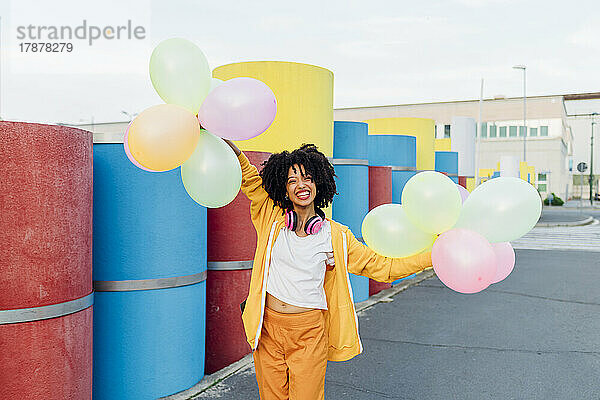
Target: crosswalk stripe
column 580, row 238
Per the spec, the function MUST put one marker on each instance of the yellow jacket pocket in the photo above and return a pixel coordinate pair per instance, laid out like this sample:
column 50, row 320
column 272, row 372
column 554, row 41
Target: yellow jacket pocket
column 342, row 329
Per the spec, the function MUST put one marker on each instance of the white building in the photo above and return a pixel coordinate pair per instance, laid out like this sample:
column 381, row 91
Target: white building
column 549, row 139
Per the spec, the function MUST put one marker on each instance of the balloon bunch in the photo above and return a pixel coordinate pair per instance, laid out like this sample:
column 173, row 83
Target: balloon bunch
column 473, row 249
column 199, row 109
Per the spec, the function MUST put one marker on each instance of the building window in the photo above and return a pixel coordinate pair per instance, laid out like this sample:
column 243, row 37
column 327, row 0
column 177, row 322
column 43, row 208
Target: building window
column 484, row 129
column 492, row 131
column 542, row 187
column 532, row 131
column 446, row 131
column 543, row 131
column 541, row 177
column 512, row 132
column 522, row 131
column 502, row 131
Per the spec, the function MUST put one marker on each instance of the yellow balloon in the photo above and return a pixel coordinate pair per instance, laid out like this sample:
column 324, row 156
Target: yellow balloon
column 163, row 137
column 387, row 231
column 431, row 201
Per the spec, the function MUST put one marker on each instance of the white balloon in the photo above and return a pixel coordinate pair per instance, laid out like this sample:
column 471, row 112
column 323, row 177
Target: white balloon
column 501, row 209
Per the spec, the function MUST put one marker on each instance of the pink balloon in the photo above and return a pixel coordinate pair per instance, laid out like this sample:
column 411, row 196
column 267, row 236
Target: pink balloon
column 464, row 193
column 238, row 109
column 464, row 260
column 128, row 153
column 505, row 260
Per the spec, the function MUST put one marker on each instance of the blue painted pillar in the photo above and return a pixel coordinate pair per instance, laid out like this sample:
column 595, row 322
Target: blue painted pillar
column 351, row 205
column 398, row 152
column 149, row 255
column 447, row 162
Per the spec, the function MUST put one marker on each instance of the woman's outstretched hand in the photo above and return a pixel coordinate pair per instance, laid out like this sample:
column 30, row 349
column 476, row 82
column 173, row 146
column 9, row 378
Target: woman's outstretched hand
column 233, row 147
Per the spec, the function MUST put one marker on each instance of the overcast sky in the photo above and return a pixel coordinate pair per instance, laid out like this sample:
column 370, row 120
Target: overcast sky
column 381, row 52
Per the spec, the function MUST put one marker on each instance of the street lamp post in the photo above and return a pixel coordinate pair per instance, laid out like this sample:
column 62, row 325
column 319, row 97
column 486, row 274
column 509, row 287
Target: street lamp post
column 524, row 68
column 592, row 162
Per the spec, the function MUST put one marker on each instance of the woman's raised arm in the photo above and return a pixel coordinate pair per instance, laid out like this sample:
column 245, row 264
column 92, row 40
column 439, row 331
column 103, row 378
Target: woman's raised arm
column 261, row 206
column 233, row 147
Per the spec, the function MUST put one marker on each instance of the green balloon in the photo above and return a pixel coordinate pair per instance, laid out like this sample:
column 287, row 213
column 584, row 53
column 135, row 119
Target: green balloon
column 180, row 74
column 388, row 231
column 212, row 176
column 432, row 201
column 501, row 209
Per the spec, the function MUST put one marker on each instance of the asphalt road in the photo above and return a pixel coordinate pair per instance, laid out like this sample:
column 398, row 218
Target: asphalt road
column 535, row 335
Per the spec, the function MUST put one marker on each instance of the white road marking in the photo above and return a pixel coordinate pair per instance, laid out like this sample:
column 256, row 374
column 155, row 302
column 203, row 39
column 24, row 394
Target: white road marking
column 582, row 238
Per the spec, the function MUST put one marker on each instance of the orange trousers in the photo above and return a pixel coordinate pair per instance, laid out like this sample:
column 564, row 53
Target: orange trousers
column 291, row 357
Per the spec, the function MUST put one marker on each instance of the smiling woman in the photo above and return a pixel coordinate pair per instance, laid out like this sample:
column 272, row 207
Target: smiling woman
column 299, row 312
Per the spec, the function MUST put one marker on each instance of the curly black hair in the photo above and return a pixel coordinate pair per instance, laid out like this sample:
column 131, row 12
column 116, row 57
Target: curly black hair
column 275, row 174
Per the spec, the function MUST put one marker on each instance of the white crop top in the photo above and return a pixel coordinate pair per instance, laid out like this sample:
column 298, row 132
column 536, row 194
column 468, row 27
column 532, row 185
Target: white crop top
column 297, row 270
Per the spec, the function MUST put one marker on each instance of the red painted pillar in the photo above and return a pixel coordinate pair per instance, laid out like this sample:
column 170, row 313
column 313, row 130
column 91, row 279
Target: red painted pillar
column 380, row 186
column 462, row 181
column 46, row 262
column 380, row 192
column 230, row 247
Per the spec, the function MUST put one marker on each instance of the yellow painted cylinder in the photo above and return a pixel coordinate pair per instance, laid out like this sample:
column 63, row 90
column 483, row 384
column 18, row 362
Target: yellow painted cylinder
column 532, row 174
column 442, row 145
column 304, row 96
column 486, row 173
column 527, row 172
column 523, row 170
column 422, row 128
column 470, row 184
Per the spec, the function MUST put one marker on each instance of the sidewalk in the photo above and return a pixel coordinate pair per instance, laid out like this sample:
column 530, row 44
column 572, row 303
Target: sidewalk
column 528, row 337
column 582, row 204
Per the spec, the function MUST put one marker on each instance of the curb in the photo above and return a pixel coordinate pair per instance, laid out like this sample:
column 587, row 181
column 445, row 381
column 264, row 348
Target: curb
column 385, row 296
column 210, row 380
column 582, row 222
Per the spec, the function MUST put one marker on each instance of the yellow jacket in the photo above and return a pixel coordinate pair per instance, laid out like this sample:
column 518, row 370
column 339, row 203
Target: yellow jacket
column 349, row 254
